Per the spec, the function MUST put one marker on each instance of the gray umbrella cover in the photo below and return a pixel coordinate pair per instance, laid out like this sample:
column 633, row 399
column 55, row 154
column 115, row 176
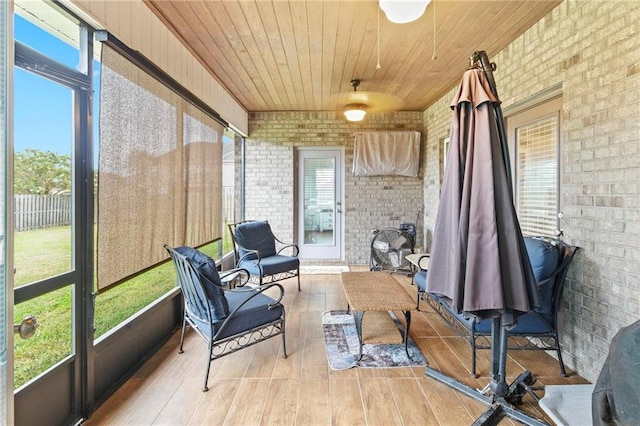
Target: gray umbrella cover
column 478, row 257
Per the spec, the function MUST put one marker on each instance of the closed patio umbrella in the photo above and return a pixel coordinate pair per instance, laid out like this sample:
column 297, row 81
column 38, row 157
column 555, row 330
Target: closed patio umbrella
column 478, row 257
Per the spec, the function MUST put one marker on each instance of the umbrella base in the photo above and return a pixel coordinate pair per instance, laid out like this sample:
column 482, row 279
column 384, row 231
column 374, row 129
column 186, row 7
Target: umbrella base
column 499, row 407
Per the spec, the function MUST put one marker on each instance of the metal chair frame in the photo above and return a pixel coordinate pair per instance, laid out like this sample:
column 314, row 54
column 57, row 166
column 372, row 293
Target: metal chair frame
column 195, row 301
column 516, row 341
column 263, row 278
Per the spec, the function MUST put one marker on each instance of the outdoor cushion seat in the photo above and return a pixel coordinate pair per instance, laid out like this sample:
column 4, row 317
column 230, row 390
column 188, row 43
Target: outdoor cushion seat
column 252, row 314
column 270, row 265
column 550, row 260
column 257, row 250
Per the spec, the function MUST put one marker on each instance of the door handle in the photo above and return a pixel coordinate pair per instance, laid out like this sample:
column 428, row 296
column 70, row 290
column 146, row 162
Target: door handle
column 27, row 327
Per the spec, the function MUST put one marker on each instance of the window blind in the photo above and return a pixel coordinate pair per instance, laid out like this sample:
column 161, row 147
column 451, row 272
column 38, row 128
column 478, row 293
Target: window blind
column 159, row 172
column 538, row 176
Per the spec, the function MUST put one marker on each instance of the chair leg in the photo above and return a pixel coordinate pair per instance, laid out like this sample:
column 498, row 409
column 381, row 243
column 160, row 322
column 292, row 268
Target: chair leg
column 284, row 345
column 473, row 355
column 298, row 274
column 560, row 361
column 184, row 326
column 206, row 374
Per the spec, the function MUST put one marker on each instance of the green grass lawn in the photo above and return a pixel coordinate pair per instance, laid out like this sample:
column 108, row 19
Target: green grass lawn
column 44, row 253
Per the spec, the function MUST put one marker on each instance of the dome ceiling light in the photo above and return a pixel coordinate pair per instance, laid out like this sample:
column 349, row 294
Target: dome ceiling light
column 403, row 11
column 355, row 112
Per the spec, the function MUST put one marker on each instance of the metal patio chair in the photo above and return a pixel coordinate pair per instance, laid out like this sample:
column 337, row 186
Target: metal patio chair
column 535, row 330
column 257, row 250
column 228, row 320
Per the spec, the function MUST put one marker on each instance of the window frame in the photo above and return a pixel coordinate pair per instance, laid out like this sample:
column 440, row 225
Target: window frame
column 537, row 108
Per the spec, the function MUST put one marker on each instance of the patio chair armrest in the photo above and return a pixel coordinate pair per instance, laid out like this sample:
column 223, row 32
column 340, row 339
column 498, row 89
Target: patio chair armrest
column 232, row 274
column 294, row 248
column 258, row 290
column 249, row 253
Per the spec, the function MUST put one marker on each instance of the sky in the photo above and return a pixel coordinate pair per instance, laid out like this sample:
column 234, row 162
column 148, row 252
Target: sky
column 43, row 109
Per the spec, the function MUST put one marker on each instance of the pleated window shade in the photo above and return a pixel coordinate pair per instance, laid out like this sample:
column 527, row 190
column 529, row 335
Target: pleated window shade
column 538, row 176
column 160, row 174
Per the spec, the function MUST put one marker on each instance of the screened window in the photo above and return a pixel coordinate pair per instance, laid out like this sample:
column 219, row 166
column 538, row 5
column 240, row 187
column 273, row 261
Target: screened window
column 534, row 138
column 160, row 171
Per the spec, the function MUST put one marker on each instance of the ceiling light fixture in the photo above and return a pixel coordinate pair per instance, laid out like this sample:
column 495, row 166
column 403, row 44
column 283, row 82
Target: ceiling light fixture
column 403, row 11
column 355, row 112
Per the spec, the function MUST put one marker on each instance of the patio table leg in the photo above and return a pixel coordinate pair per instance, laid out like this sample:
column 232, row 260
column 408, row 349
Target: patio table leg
column 407, row 318
column 357, row 318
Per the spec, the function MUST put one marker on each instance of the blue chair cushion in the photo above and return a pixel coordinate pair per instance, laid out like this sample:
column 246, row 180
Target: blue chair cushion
column 543, row 256
column 271, row 265
column 254, row 313
column 256, row 235
column 529, row 324
column 420, row 279
column 210, row 280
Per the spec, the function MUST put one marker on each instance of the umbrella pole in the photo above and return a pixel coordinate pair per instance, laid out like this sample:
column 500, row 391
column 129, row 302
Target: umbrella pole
column 499, row 338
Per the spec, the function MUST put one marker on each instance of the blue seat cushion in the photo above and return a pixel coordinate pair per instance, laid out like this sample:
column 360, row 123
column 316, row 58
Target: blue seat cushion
column 529, row 324
column 271, row 265
column 255, row 235
column 253, row 314
column 210, row 280
column 543, row 256
column 420, row 279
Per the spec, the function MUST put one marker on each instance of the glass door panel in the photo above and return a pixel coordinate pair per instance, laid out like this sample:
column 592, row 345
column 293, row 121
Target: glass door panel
column 43, row 116
column 319, row 200
column 320, row 205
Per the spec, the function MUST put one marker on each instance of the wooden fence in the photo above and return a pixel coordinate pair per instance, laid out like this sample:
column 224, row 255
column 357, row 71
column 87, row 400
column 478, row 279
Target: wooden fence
column 41, row 211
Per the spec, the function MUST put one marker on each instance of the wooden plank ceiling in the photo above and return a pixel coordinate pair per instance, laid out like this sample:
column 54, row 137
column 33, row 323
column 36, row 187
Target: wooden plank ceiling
column 296, row 55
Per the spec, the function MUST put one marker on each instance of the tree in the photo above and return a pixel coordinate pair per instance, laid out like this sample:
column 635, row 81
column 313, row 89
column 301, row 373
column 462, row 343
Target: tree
column 41, row 172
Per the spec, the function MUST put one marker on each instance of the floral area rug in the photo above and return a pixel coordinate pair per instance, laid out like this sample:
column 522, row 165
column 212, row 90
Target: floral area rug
column 341, row 341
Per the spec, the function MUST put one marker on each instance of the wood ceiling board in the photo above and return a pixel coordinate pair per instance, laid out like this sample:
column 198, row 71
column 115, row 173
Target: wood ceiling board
column 262, row 45
column 197, row 27
column 302, row 35
column 236, row 51
column 270, row 23
column 315, row 13
column 329, row 42
column 340, row 78
column 288, row 55
column 287, row 33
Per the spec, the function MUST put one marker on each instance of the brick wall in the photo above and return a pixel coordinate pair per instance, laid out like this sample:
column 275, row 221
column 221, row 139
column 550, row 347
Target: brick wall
column 592, row 48
column 369, row 202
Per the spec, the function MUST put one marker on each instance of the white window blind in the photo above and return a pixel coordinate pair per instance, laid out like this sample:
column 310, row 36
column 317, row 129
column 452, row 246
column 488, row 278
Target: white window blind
column 537, row 194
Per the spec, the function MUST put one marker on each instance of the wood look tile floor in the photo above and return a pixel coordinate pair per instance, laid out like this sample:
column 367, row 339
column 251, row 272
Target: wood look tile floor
column 257, row 386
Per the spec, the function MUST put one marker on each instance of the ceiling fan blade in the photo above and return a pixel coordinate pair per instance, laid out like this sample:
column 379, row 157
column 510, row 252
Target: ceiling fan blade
column 373, row 101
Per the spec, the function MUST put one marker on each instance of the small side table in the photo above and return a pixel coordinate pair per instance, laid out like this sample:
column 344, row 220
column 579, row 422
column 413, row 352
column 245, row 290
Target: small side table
column 418, row 261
